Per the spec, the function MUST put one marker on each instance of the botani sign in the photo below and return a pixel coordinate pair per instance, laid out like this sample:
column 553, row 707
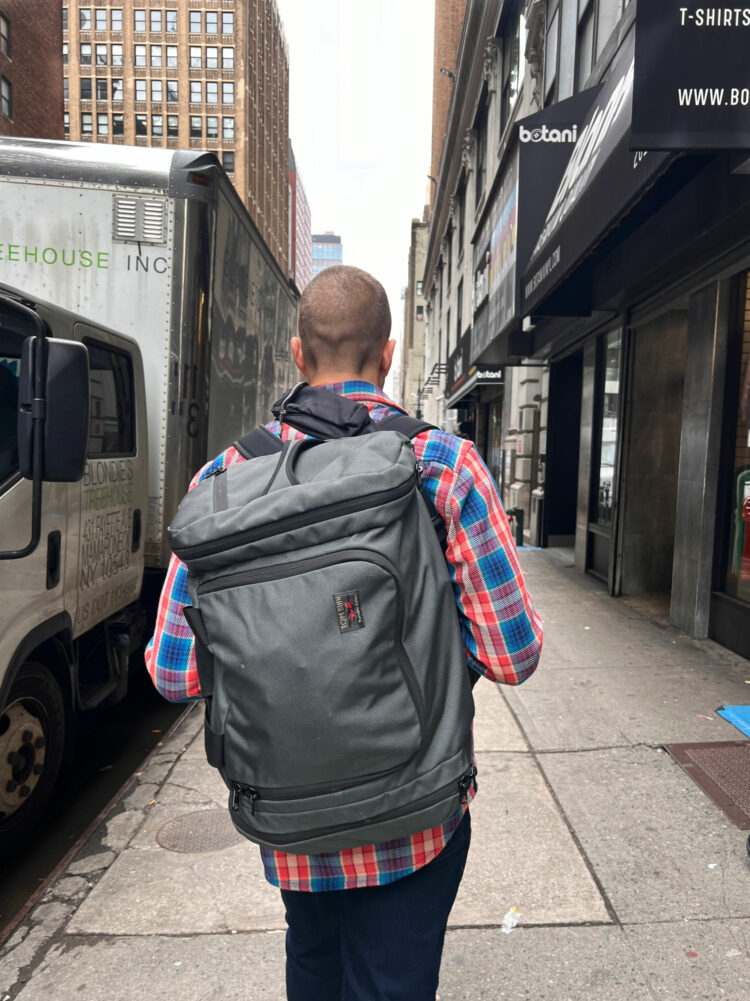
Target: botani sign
column 692, row 76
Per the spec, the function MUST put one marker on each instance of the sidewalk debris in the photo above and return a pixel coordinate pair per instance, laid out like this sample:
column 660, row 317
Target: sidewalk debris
column 510, row 920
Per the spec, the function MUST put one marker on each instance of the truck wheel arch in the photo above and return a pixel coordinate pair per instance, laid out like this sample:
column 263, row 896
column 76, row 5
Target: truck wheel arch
column 56, row 636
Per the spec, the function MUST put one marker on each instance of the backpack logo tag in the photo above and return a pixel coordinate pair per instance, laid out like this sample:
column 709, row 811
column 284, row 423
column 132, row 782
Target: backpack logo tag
column 348, row 611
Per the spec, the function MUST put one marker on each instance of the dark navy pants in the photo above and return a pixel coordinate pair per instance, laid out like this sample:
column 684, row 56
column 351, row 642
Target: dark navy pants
column 379, row 943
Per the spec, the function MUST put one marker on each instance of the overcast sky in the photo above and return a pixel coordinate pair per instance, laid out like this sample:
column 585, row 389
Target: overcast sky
column 360, row 120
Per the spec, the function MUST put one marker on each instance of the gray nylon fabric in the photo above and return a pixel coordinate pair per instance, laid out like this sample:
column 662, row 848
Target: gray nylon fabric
column 338, row 703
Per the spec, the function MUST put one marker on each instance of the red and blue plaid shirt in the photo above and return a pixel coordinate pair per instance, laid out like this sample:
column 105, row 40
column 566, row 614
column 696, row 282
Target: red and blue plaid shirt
column 502, row 632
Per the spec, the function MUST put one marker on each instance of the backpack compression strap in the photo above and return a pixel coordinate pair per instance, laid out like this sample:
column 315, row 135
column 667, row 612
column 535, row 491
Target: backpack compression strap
column 257, row 442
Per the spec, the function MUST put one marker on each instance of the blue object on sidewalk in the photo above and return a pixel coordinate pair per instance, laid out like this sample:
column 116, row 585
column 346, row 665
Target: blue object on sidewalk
column 738, row 716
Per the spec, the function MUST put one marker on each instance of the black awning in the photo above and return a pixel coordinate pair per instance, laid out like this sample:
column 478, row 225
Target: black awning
column 602, row 181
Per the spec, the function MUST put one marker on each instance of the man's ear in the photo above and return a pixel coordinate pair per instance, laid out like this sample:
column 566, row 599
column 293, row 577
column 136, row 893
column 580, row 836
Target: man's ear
column 386, row 360
column 298, row 355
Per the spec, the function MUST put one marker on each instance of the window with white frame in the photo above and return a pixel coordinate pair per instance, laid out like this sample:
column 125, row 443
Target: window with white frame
column 156, row 56
column 155, row 20
column 102, row 124
column 101, row 55
column 196, row 57
column 101, row 88
column 118, row 124
column 227, row 128
column 227, row 93
column 140, row 90
column 157, row 126
column 227, row 159
column 173, row 126
column 115, row 19
column 227, row 22
column 100, row 18
column 85, row 55
column 141, row 125
column 227, row 57
column 139, row 55
column 171, row 20
column 196, row 92
column 85, row 88
column 195, row 22
column 171, row 57
column 212, row 22
column 157, row 91
column 139, row 20
column 87, row 123
column 212, row 127
column 116, row 89
column 84, row 18
column 196, row 127
column 172, row 91
column 212, row 92
column 117, row 54
column 66, row 123
column 212, row 57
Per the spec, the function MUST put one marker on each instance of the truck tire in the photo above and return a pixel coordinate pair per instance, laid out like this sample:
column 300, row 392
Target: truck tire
column 32, row 732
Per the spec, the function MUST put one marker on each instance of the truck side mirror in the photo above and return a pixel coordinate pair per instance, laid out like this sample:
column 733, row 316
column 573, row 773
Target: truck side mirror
column 64, row 404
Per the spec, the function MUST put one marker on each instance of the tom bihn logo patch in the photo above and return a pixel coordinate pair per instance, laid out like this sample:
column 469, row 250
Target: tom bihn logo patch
column 348, row 611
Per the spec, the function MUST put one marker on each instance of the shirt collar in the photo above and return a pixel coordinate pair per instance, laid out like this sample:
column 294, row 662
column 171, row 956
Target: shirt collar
column 363, row 392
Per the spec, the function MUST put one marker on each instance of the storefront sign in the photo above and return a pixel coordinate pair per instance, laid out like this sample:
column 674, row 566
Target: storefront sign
column 463, row 377
column 692, row 76
column 601, row 182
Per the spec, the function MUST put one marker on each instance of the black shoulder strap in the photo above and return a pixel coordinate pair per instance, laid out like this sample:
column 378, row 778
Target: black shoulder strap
column 257, row 442
column 411, row 427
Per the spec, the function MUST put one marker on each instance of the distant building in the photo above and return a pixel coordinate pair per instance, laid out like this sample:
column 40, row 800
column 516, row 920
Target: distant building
column 214, row 79
column 300, row 228
column 31, row 69
column 326, row 250
column 415, row 384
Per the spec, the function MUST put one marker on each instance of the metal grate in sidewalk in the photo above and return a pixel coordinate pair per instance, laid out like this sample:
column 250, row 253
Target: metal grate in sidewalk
column 202, row 831
column 722, row 770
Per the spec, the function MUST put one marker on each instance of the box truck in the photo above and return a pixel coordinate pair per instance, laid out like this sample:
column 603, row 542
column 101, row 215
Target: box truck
column 144, row 325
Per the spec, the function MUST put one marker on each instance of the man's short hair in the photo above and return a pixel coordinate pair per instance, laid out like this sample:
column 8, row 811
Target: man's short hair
column 344, row 319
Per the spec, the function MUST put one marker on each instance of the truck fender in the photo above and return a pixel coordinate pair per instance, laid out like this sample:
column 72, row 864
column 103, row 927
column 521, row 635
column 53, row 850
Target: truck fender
column 59, row 628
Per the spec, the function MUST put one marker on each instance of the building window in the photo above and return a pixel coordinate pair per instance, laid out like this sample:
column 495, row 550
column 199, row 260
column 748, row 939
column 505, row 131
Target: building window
column 212, row 92
column 101, row 89
column 100, row 18
column 420, row 287
column 157, row 92
column 461, row 202
column 65, row 89
column 459, row 310
column 196, row 127
column 116, row 89
column 65, row 19
column 171, row 57
column 139, row 55
column 227, row 22
column 139, row 20
column 156, row 56
column 480, row 126
column 117, row 54
column 227, row 93
column 85, row 54
column 66, row 123
column 118, row 125
column 196, row 58
column 172, row 94
column 155, row 20
column 212, row 57
column 510, row 68
column 101, row 55
column 4, row 36
column 227, row 128
column 157, row 125
column 141, row 125
column 212, row 22
column 173, row 126
column 102, row 125
column 449, row 258
column 6, row 91
column 171, row 19
column 227, row 58
column 85, row 88
column 196, row 92
column 550, row 50
column 87, row 124
column 84, row 18
column 584, row 42
column 227, row 159
column 140, row 90
column 195, row 22
column 64, row 53
column 116, row 19
column 212, row 127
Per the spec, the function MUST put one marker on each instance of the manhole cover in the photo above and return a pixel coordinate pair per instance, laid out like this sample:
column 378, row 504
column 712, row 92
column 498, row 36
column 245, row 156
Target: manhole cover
column 204, row 831
column 722, row 771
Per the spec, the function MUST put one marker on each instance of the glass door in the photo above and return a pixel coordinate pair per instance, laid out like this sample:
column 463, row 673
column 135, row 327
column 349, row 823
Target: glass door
column 602, row 505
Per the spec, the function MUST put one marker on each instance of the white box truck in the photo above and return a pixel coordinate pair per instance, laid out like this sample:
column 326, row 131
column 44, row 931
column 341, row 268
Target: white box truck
column 144, row 326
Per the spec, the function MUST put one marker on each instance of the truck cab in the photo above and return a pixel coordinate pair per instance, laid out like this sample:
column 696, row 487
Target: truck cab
column 69, row 611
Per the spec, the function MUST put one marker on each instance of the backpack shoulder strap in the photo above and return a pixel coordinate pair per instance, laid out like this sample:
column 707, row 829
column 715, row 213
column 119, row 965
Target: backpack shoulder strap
column 411, row 427
column 258, row 442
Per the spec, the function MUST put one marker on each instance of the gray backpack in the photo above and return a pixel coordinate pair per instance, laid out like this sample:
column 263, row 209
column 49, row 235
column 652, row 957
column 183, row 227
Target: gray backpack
column 338, row 705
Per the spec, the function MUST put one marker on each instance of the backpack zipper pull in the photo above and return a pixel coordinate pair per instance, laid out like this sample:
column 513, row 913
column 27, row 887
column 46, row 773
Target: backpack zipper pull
column 465, row 784
column 239, row 790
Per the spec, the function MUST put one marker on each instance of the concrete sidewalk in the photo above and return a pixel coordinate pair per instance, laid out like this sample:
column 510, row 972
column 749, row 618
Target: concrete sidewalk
column 631, row 884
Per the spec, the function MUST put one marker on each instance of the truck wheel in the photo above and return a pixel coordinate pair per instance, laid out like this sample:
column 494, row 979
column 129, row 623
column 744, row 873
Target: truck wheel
column 32, row 730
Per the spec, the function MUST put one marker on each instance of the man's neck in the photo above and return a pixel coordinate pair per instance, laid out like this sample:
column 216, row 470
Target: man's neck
column 331, row 378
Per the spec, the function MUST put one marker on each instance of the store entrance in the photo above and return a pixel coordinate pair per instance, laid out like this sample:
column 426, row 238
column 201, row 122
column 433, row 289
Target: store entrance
column 562, row 451
column 652, row 453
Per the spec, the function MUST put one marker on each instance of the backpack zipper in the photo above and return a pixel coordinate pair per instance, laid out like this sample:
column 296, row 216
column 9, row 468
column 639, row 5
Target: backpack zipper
column 464, row 784
column 293, row 522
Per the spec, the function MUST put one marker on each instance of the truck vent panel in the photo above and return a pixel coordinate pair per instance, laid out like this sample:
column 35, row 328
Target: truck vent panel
column 140, row 220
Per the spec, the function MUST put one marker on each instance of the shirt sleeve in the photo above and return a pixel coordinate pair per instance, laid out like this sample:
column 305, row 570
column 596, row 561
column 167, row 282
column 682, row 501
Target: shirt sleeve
column 170, row 654
column 502, row 631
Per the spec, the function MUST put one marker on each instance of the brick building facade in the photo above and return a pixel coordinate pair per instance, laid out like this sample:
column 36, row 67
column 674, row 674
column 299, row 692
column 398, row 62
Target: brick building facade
column 449, row 19
column 300, row 227
column 31, row 69
column 206, row 74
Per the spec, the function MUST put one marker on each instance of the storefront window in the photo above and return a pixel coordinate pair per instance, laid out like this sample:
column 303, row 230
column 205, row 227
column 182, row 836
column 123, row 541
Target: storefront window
column 738, row 571
column 605, row 474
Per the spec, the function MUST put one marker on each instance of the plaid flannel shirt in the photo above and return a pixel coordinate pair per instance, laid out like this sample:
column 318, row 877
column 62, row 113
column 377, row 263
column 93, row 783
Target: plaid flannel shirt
column 501, row 630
